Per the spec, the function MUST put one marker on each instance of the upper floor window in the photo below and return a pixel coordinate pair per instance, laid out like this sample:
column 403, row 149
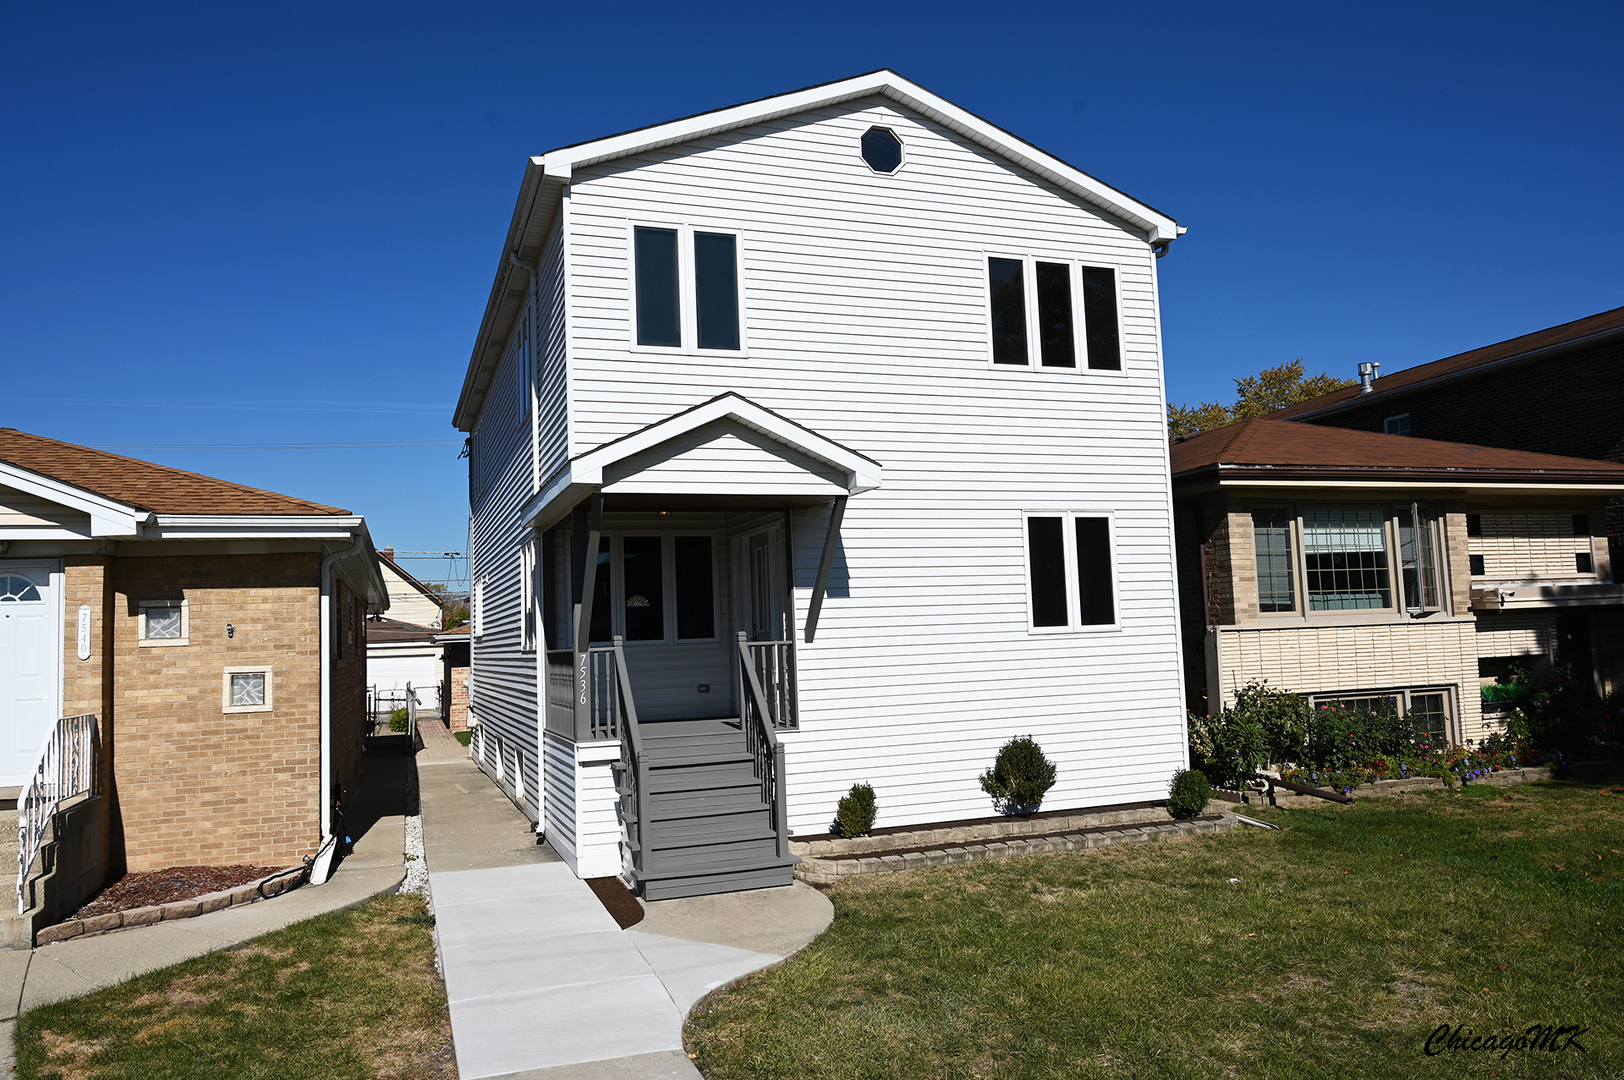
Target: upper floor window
column 1345, row 556
column 882, row 150
column 1271, row 537
column 1071, row 571
column 1031, row 302
column 1397, row 425
column 686, row 283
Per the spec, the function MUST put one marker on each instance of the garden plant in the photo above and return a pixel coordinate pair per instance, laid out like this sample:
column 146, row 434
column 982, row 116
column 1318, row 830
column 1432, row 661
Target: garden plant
column 1019, row 778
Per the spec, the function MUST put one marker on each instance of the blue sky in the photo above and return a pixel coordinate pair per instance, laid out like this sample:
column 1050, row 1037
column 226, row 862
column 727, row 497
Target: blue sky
column 274, row 223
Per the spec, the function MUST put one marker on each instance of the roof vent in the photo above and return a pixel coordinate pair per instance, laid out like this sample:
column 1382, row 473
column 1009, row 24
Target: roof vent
column 1369, row 372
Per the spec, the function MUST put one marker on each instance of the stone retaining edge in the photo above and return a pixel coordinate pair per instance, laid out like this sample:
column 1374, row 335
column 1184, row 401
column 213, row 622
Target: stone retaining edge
column 816, row 871
column 263, row 889
column 1384, row 788
column 990, row 830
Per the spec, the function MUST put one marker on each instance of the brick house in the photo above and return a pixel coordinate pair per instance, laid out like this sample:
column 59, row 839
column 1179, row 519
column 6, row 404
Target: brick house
column 1352, row 565
column 215, row 631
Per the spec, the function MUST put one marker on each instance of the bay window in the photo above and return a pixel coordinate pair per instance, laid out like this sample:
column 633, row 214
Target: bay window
column 1353, row 558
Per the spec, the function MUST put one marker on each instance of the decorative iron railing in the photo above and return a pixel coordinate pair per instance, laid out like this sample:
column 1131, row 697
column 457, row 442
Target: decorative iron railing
column 66, row 767
column 759, row 712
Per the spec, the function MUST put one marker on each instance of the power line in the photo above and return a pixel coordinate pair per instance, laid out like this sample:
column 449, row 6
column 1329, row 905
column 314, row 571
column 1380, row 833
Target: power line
column 154, row 447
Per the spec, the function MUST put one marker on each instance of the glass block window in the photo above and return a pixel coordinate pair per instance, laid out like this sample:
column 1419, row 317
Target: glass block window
column 248, row 688
column 1271, row 536
column 1345, row 556
column 163, row 623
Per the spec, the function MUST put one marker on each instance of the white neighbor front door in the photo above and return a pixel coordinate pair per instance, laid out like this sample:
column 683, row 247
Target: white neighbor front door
column 30, row 645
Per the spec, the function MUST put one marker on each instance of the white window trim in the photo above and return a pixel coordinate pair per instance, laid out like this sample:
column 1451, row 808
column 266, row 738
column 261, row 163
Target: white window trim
column 476, row 609
column 1068, row 534
column 529, row 611
column 687, row 297
column 249, row 669
column 902, row 144
column 1079, row 316
column 185, row 623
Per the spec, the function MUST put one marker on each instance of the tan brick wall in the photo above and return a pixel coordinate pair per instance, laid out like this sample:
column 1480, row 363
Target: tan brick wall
column 195, row 784
column 458, row 713
column 87, row 684
column 1374, row 656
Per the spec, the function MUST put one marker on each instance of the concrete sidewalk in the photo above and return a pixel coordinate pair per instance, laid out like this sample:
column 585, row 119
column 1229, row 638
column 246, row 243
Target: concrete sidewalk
column 29, row 978
column 542, row 982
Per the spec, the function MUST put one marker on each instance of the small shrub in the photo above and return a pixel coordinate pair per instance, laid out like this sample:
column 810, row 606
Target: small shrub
column 854, row 816
column 1187, row 796
column 397, row 719
column 1019, row 778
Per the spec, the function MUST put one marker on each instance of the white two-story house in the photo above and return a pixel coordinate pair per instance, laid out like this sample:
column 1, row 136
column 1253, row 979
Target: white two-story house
column 815, row 441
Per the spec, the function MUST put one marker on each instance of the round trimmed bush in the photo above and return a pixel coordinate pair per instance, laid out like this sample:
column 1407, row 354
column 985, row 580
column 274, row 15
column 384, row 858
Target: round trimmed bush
column 1187, row 796
column 1019, row 778
column 854, row 816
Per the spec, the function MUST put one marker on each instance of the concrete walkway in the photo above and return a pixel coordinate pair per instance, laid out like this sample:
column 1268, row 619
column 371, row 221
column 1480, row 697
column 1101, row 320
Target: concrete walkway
column 542, row 982
column 29, row 978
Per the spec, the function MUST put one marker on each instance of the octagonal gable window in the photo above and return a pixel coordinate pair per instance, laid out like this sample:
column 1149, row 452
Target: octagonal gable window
column 882, row 150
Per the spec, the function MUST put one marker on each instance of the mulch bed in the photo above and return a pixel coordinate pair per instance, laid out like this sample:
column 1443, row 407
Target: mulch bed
column 151, row 887
column 617, row 900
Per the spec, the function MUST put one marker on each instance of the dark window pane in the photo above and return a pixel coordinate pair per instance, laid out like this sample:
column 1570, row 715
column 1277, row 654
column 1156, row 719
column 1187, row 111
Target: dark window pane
column 657, row 320
column 1100, row 315
column 645, row 589
column 1048, row 557
column 1581, row 524
column 1476, row 562
column 1008, row 311
column 882, row 149
column 716, row 289
column 1581, row 562
column 1276, row 571
column 1095, row 605
column 601, row 615
column 696, row 591
column 1054, row 315
column 1474, row 524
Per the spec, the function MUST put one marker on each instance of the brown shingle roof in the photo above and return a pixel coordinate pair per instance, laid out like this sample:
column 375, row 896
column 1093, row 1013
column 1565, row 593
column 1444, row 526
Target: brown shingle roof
column 141, row 484
column 1452, row 365
column 1308, row 451
column 381, row 631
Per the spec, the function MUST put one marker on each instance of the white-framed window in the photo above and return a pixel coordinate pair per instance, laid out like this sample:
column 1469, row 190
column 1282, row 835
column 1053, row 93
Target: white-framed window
column 1433, row 705
column 529, row 610
column 656, row 587
column 687, row 288
column 1397, row 425
column 476, row 609
column 1071, row 579
column 882, row 150
column 247, row 689
column 164, row 622
column 1053, row 314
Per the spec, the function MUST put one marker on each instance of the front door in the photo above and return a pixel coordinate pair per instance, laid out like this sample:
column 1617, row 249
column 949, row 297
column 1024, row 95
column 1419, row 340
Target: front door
column 29, row 647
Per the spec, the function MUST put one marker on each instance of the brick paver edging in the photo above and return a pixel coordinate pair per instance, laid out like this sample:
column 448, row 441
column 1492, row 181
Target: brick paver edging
column 266, row 887
column 1380, row 788
column 827, row 870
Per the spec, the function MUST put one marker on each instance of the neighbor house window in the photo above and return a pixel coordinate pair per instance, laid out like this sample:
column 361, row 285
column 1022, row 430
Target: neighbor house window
column 1431, row 706
column 1397, row 425
column 687, row 288
column 164, row 622
column 1071, row 575
column 246, row 689
column 1271, row 537
column 1032, row 300
column 1345, row 558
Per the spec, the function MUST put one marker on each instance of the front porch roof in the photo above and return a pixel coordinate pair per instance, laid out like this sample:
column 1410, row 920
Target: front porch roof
column 725, row 453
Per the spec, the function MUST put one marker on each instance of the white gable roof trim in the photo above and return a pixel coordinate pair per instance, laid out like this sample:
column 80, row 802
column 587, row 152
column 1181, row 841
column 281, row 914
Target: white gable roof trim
column 109, row 518
column 547, row 175
column 585, row 472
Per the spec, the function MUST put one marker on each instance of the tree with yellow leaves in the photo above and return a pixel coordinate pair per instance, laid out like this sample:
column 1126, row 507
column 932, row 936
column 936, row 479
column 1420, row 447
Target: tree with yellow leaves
column 1255, row 395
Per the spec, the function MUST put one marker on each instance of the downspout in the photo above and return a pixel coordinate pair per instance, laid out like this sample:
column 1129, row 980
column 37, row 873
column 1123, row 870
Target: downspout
column 322, row 869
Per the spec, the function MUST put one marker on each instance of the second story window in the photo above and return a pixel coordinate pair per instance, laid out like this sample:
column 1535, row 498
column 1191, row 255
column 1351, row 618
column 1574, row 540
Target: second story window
column 686, row 282
column 1345, row 556
column 1031, row 303
column 1271, row 537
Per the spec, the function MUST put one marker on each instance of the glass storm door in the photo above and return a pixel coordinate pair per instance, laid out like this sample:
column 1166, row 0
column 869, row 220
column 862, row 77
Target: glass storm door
column 29, row 644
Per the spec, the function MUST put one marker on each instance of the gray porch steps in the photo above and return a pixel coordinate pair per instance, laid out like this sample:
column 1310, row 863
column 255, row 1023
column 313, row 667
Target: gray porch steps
column 708, row 828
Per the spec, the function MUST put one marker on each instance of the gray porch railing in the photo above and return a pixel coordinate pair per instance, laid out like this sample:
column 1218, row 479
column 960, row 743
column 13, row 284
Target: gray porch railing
column 632, row 785
column 65, row 768
column 774, row 664
column 561, row 692
column 756, row 713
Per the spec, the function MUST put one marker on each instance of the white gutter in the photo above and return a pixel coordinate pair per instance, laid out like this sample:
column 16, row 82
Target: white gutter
column 322, row 869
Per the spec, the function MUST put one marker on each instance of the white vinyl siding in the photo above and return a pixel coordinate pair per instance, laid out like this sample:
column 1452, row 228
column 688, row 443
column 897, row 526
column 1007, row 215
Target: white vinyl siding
column 865, row 302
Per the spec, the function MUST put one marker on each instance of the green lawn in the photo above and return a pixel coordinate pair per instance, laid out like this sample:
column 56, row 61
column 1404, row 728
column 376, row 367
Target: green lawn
column 348, row 995
column 1349, row 938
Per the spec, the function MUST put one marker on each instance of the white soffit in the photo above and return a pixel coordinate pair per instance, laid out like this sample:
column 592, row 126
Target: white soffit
column 108, row 517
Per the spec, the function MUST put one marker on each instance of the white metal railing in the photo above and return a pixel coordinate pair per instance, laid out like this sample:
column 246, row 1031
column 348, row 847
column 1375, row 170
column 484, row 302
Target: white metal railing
column 65, row 768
